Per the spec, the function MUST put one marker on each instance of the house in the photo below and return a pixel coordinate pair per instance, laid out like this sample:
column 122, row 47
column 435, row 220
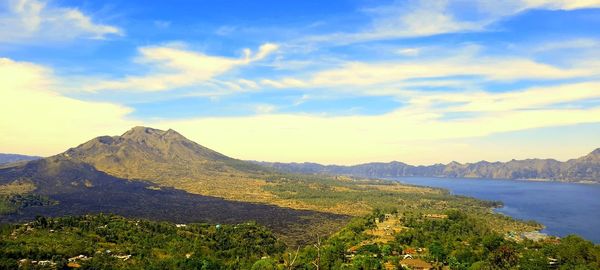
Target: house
column 80, row 257
column 122, row 257
column 436, row 216
column 46, row 263
column 353, row 249
column 416, row 264
column 389, row 266
column 73, row 265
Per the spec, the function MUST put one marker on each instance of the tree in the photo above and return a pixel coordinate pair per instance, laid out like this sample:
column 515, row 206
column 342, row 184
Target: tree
column 365, row 262
column 386, row 250
column 264, row 264
column 436, row 250
column 534, row 260
column 317, row 261
column 504, row 257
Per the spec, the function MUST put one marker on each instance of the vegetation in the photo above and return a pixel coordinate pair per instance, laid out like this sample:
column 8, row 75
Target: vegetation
column 14, row 202
column 17, row 195
column 112, row 242
column 359, row 197
column 149, row 174
column 455, row 239
column 458, row 241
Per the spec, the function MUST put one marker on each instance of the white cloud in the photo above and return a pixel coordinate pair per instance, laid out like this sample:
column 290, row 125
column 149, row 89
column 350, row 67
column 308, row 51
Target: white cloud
column 560, row 4
column 578, row 44
column 35, row 119
column 408, row 51
column 410, row 133
column 284, row 83
column 36, row 21
column 414, row 18
column 359, row 76
column 418, row 18
column 265, row 108
column 175, row 67
column 248, row 84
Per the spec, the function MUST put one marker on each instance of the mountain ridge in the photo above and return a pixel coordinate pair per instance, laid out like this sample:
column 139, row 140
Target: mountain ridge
column 582, row 169
column 15, row 158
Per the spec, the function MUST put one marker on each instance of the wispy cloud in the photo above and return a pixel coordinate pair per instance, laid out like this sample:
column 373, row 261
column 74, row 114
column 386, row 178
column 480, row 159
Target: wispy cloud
column 413, row 18
column 176, row 67
column 575, row 44
column 400, row 134
column 27, row 21
column 360, row 76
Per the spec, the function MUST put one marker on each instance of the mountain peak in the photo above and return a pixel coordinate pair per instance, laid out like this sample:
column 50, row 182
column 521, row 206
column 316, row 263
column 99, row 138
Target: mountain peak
column 149, row 153
column 595, row 152
column 593, row 157
column 144, row 133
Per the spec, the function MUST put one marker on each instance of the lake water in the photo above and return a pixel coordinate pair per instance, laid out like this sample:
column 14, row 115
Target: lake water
column 564, row 208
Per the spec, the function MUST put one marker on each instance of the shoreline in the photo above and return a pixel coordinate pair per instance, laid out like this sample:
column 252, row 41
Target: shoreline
column 559, row 230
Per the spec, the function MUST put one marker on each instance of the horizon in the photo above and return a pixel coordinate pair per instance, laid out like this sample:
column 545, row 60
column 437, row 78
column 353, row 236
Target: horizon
column 331, row 164
column 342, row 82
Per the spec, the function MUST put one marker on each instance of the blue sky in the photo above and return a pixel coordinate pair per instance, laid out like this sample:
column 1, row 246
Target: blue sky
column 327, row 81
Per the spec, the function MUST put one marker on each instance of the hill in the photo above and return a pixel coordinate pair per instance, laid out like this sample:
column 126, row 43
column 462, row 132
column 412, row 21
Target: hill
column 11, row 158
column 583, row 169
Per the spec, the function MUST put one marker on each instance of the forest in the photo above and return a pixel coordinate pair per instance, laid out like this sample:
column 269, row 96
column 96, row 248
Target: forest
column 451, row 239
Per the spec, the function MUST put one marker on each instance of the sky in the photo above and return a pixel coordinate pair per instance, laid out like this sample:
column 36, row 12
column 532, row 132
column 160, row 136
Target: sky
column 334, row 82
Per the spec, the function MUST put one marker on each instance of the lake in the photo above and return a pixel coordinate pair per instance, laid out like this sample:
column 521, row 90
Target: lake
column 564, row 208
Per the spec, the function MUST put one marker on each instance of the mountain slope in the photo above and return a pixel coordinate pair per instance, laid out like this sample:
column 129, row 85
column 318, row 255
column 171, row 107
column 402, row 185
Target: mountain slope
column 583, row 169
column 162, row 175
column 76, row 188
column 169, row 159
column 146, row 153
column 10, row 158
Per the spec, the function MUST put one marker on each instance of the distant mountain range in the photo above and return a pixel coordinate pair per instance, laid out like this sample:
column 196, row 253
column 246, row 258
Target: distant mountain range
column 10, row 158
column 583, row 169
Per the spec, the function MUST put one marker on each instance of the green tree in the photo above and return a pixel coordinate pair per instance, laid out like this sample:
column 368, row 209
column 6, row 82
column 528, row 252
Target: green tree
column 533, row 260
column 365, row 262
column 437, row 251
column 264, row 264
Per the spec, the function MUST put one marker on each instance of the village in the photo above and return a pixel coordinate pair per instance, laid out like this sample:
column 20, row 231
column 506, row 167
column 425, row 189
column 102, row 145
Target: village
column 73, row 262
column 418, row 258
column 379, row 243
column 384, row 232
